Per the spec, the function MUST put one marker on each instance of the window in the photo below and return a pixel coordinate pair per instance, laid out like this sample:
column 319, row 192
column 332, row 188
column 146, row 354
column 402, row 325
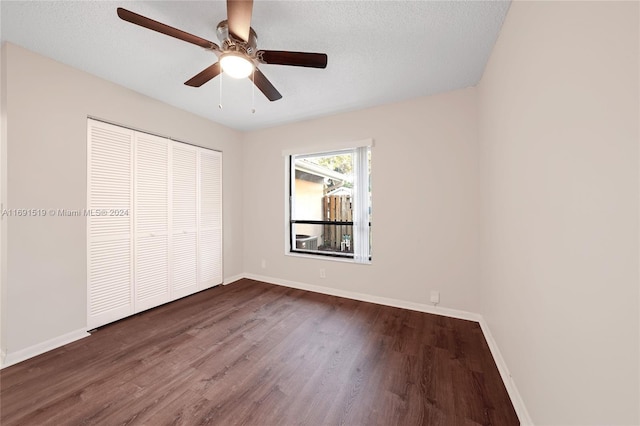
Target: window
column 330, row 204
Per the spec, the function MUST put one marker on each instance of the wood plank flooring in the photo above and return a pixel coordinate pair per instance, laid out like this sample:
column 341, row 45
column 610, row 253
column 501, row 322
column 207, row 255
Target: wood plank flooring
column 258, row 354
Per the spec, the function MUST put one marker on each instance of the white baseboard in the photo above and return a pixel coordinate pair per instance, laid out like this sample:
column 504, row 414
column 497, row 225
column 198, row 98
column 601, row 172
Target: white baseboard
column 232, row 279
column 12, row 358
column 512, row 390
column 420, row 307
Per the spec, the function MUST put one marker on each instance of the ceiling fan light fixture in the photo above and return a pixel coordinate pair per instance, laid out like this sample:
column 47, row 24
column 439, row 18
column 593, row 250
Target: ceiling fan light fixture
column 236, row 65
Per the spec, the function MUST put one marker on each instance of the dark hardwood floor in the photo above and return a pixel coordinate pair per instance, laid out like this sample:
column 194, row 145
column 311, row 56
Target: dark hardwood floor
column 259, row 354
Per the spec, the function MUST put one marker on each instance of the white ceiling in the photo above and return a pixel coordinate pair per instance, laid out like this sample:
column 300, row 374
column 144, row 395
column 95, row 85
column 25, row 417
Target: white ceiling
column 379, row 51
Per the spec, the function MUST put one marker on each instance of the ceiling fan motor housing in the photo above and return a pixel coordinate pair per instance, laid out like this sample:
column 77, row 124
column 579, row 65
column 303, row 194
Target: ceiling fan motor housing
column 229, row 43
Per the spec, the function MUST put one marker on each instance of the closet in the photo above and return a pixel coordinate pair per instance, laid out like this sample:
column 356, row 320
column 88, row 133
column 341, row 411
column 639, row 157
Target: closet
column 154, row 221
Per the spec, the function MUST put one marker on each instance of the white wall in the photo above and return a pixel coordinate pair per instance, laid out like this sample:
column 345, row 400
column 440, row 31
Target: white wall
column 47, row 108
column 558, row 117
column 425, row 201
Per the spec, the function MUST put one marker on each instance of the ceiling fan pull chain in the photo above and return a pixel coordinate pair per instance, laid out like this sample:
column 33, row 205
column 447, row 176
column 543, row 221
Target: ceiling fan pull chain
column 253, row 91
column 220, row 104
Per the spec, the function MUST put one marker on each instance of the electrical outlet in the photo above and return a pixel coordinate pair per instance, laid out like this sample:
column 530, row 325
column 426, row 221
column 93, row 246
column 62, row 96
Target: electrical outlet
column 323, row 273
column 435, row 296
column 264, row 264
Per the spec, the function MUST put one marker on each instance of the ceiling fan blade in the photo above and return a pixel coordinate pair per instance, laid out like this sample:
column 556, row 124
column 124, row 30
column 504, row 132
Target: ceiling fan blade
column 265, row 85
column 296, row 59
column 145, row 22
column 204, row 76
column 239, row 18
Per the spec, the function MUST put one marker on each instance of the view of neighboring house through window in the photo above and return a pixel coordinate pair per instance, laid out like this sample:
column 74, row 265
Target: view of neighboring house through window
column 330, row 207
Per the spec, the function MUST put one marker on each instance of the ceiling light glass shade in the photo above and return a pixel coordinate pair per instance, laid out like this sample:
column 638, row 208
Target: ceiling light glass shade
column 236, row 65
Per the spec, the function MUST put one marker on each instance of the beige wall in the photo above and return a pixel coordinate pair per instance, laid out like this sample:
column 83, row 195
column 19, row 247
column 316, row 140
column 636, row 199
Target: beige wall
column 425, row 200
column 559, row 169
column 47, row 108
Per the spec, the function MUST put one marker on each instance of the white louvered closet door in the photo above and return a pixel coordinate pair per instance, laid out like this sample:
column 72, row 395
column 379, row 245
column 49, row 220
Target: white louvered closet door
column 184, row 233
column 151, row 212
column 210, row 220
column 169, row 245
column 109, row 242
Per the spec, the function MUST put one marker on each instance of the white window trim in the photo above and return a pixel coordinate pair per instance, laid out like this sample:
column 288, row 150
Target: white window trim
column 329, row 147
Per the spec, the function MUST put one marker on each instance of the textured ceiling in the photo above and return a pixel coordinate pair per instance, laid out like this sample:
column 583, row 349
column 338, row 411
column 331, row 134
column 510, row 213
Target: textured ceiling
column 379, row 51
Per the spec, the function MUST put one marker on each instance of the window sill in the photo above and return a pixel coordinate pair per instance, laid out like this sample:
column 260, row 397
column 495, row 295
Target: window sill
column 321, row 257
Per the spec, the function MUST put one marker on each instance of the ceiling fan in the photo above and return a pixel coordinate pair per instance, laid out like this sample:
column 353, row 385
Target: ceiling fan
column 238, row 56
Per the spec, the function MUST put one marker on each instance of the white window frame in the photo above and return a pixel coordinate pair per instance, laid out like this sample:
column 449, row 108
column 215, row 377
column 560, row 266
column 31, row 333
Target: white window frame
column 361, row 228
